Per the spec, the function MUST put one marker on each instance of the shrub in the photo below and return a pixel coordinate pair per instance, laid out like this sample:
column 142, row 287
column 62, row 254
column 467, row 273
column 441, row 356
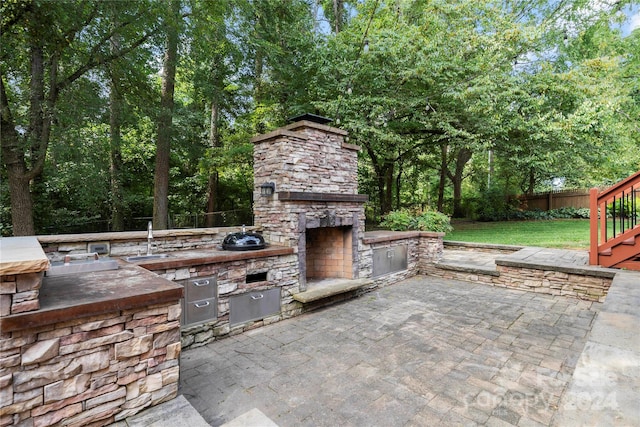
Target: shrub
column 397, row 220
column 624, row 207
column 433, row 221
column 560, row 213
column 402, row 220
column 491, row 205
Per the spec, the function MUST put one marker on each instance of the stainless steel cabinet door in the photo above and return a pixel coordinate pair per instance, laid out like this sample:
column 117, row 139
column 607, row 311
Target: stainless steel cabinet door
column 253, row 305
column 389, row 260
column 200, row 311
column 200, row 288
column 199, row 303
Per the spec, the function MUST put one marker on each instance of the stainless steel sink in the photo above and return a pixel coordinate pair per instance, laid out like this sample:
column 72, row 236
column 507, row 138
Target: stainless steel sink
column 70, row 266
column 145, row 257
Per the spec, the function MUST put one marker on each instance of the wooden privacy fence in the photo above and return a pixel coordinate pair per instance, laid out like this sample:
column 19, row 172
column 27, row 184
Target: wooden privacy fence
column 553, row 200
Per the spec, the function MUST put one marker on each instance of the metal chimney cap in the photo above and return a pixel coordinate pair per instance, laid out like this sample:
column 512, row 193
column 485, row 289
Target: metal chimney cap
column 311, row 118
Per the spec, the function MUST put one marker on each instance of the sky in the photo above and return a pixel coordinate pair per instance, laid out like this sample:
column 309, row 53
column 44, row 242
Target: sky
column 633, row 19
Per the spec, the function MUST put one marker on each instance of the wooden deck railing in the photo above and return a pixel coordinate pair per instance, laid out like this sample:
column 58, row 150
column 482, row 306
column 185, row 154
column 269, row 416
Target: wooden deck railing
column 614, row 217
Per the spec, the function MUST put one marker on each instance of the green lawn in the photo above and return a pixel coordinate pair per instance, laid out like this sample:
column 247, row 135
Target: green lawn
column 565, row 233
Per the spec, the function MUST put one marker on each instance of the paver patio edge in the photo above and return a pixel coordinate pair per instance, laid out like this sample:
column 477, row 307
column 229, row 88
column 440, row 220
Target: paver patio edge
column 604, row 389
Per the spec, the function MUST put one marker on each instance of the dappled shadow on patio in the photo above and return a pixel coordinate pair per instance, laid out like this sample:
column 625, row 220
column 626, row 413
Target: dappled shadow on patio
column 425, row 351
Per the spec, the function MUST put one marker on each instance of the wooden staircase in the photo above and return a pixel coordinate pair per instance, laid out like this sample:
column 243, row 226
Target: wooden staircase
column 615, row 225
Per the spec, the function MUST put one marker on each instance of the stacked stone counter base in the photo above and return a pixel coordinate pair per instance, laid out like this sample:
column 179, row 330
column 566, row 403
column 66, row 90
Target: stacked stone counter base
column 91, row 371
column 21, row 271
column 83, row 350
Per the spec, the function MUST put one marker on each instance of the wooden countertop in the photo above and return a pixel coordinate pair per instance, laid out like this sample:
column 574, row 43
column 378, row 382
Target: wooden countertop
column 75, row 296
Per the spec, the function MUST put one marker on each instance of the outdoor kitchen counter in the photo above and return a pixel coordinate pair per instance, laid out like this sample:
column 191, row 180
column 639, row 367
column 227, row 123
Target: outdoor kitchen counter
column 64, row 298
column 380, row 236
column 181, row 259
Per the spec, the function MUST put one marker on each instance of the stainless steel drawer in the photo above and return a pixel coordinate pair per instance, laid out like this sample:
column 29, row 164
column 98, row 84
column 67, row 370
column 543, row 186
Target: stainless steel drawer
column 200, row 288
column 253, row 305
column 200, row 311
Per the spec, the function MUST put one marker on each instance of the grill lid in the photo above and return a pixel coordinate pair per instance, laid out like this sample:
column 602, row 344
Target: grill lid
column 243, row 241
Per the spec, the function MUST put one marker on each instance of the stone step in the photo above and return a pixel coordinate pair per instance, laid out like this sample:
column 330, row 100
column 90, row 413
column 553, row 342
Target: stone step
column 177, row 412
column 468, row 268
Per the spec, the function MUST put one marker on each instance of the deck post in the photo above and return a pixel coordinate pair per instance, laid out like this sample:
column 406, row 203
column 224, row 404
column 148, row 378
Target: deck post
column 593, row 226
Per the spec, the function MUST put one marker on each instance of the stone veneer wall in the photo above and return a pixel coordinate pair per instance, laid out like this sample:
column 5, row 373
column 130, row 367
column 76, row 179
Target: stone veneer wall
column 19, row 292
column 592, row 288
column 91, row 371
column 431, row 249
column 306, row 157
column 482, row 247
column 282, row 272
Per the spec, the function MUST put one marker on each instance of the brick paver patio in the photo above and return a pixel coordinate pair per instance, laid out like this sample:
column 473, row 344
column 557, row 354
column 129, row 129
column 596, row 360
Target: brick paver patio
column 425, row 351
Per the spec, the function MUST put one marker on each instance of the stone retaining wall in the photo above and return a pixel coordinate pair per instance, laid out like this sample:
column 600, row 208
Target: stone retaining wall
column 551, row 281
column 91, row 371
column 482, row 247
column 465, row 276
column 592, row 288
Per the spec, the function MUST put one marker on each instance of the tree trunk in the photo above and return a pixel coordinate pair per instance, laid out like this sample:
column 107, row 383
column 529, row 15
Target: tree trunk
column 462, row 158
column 384, row 177
column 19, row 191
column 212, row 186
column 115, row 165
column 115, row 142
column 443, row 176
column 387, row 203
column 398, row 185
column 338, row 11
column 13, row 155
column 165, row 118
column 532, row 181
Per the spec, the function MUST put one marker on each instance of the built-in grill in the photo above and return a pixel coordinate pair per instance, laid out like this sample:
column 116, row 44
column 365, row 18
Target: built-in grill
column 243, row 241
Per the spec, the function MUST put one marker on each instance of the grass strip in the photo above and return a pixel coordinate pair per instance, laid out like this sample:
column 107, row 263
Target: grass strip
column 558, row 233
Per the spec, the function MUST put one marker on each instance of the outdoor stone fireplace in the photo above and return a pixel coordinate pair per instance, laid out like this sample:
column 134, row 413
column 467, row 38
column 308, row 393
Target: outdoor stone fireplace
column 315, row 207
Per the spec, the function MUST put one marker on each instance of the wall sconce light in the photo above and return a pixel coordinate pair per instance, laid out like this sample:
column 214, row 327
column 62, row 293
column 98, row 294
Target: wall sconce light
column 267, row 189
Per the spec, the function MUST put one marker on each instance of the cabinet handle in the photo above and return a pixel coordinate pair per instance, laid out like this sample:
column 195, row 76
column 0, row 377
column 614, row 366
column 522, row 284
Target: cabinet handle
column 94, row 255
column 390, row 253
column 255, row 297
column 203, row 283
column 201, row 305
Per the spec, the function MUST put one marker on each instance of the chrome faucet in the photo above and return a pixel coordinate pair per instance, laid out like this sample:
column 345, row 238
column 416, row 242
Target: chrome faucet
column 149, row 238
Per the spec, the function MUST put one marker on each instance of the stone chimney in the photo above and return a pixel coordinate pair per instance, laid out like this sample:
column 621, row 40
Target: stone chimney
column 315, row 207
